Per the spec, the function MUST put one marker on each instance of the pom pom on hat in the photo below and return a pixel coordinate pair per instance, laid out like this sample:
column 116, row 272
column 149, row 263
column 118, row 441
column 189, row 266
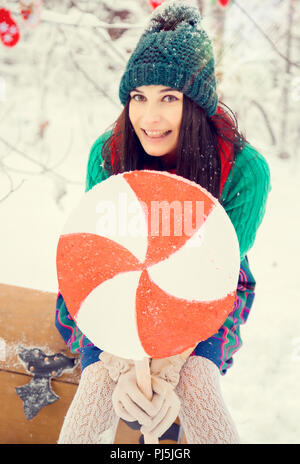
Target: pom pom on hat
column 173, row 12
column 175, row 51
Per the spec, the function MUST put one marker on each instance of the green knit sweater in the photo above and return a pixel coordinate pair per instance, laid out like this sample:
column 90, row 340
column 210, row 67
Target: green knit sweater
column 244, row 194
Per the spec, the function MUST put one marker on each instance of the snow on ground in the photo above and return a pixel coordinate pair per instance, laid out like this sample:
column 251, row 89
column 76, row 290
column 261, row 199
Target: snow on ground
column 262, row 386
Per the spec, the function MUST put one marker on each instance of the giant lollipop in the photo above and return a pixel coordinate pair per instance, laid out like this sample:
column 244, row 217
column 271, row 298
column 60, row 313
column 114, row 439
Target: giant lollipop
column 148, row 264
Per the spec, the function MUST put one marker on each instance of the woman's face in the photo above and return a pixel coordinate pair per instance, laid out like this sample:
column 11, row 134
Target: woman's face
column 155, row 112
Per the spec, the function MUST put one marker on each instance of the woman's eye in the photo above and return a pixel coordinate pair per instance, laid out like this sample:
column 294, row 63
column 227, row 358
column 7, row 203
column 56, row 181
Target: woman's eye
column 171, row 96
column 133, row 97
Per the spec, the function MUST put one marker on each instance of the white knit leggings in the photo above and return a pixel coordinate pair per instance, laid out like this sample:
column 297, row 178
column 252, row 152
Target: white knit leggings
column 203, row 415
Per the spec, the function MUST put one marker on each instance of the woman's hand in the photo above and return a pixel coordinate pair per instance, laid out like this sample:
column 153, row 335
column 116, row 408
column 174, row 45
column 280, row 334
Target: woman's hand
column 165, row 375
column 168, row 411
column 169, row 368
column 155, row 415
column 115, row 365
column 131, row 404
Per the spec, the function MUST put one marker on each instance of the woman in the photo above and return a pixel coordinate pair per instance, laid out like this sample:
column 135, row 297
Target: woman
column 172, row 121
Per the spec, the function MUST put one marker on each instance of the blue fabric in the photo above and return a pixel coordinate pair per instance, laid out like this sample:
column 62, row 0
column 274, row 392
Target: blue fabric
column 89, row 355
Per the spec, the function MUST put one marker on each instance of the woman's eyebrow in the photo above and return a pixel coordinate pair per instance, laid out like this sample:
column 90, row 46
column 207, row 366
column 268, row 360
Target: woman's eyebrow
column 163, row 90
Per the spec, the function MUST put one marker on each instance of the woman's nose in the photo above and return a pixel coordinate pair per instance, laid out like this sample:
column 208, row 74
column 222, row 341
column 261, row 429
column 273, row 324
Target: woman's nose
column 151, row 114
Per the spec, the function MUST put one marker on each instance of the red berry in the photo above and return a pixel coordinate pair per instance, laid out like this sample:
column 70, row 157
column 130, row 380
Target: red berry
column 224, row 2
column 155, row 3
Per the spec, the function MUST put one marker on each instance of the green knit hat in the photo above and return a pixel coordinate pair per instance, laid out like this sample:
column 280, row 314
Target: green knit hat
column 181, row 58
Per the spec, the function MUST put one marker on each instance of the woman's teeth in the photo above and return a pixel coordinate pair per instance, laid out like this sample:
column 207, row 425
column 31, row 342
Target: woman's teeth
column 156, row 134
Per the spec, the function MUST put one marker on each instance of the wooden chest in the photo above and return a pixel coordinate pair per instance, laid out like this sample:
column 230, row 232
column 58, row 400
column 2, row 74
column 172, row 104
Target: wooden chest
column 27, row 320
column 27, row 326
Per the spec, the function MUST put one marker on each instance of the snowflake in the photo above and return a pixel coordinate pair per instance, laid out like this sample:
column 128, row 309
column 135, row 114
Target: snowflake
column 13, row 29
column 3, row 26
column 7, row 38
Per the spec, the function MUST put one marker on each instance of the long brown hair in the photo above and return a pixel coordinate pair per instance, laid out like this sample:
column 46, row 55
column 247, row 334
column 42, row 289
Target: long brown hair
column 201, row 142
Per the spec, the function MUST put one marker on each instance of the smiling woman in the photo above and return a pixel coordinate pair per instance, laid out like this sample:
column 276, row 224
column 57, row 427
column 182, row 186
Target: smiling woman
column 155, row 112
column 172, row 120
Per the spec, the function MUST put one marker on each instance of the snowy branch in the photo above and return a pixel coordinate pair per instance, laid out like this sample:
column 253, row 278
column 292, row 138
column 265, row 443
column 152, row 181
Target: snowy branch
column 292, row 63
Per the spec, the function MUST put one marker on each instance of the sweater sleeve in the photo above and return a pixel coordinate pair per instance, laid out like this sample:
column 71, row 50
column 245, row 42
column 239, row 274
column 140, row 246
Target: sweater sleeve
column 96, row 172
column 245, row 195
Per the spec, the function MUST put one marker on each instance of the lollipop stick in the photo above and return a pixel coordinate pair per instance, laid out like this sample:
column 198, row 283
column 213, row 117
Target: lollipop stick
column 143, row 377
